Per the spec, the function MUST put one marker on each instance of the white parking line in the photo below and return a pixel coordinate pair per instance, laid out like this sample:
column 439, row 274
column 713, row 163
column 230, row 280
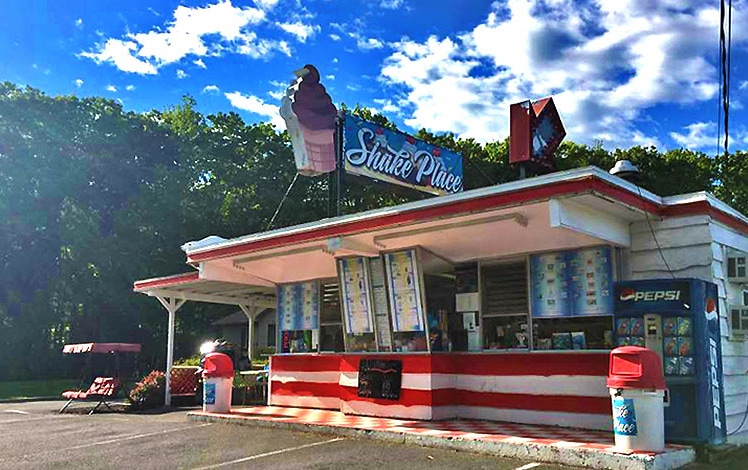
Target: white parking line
column 528, row 466
column 108, row 441
column 26, row 420
column 18, row 412
column 268, row 454
column 136, row 436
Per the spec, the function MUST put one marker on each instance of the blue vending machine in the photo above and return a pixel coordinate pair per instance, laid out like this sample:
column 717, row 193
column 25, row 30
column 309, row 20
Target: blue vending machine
column 679, row 319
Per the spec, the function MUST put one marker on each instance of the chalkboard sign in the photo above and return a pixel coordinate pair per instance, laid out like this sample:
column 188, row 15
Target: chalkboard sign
column 380, row 379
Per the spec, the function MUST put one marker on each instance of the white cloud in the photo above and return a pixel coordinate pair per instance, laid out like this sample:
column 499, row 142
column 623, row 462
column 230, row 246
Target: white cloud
column 700, row 135
column 111, row 88
column 200, row 31
column 181, row 74
column 330, row 77
column 362, row 42
column 369, row 43
column 78, row 82
column 120, row 54
column 603, row 63
column 743, row 85
column 280, row 89
column 703, row 136
column 266, row 4
column 130, row 87
column 200, row 63
column 335, row 60
column 335, row 37
column 387, row 106
column 256, row 105
column 300, row 30
column 79, row 23
column 261, row 48
column 391, row 4
column 210, row 89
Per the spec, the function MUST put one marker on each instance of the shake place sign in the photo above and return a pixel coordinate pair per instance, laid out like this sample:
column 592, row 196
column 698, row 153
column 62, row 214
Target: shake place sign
column 397, row 158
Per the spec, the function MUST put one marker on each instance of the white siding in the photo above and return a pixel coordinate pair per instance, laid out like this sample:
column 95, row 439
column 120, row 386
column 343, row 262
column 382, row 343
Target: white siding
column 692, row 247
column 734, row 353
column 684, row 242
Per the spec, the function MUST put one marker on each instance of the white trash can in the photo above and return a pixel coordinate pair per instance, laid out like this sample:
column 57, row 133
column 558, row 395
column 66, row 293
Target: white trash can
column 218, row 380
column 639, row 419
column 217, row 394
column 637, row 391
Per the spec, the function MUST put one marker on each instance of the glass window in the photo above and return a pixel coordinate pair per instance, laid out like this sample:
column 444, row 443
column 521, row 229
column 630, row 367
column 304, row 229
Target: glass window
column 505, row 312
column 505, row 332
column 573, row 333
column 271, row 335
column 331, row 320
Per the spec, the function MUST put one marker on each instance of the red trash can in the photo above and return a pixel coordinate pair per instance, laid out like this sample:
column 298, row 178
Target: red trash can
column 218, row 380
column 637, row 389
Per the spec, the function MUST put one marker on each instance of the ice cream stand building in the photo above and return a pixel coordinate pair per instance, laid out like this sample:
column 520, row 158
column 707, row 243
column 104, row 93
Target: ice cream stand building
column 500, row 303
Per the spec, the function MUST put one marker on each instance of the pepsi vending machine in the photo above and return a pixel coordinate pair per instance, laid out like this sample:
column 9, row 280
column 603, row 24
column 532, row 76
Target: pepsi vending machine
column 679, row 319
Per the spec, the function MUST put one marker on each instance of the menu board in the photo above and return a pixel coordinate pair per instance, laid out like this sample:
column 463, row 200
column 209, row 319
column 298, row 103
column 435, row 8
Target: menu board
column 550, row 293
column 380, row 379
column 381, row 308
column 354, row 281
column 591, row 281
column 403, row 281
column 298, row 306
column 572, row 283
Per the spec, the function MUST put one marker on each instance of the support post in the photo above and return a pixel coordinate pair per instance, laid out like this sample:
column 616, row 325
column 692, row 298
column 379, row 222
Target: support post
column 250, row 311
column 340, row 167
column 171, row 305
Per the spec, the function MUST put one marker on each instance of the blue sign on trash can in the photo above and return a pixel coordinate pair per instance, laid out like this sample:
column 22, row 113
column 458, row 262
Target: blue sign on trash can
column 209, row 393
column 624, row 416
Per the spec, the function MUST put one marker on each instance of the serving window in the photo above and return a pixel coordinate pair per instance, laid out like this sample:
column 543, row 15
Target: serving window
column 413, row 300
column 572, row 299
column 506, row 317
column 330, row 320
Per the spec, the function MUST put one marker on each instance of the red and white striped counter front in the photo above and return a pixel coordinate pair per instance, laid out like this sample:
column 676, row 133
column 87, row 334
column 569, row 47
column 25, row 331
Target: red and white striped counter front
column 562, row 389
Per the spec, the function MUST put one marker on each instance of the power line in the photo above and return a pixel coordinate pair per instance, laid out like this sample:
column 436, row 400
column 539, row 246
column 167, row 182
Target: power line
column 272, row 219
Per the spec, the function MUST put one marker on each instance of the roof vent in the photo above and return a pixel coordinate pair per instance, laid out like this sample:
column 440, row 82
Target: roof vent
column 207, row 241
column 626, row 170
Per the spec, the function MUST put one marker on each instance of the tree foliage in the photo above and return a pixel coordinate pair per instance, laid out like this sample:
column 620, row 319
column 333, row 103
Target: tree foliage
column 93, row 197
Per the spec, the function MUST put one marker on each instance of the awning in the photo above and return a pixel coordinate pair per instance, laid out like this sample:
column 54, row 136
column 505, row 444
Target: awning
column 213, row 284
column 102, row 348
column 193, row 287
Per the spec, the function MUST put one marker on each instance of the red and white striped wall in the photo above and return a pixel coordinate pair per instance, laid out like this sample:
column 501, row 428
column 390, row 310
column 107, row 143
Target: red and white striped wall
column 305, row 380
column 563, row 389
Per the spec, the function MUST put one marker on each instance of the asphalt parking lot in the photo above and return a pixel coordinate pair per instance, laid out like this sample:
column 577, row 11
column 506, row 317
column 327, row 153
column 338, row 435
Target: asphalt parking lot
column 34, row 435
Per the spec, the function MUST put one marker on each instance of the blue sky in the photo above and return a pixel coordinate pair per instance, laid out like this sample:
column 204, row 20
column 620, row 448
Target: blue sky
column 624, row 72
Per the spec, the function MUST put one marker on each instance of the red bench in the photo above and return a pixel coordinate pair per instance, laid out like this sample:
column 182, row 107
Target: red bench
column 102, row 389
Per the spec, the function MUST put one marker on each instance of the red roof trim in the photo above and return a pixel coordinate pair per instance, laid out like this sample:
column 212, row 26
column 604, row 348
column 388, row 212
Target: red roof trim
column 589, row 184
column 703, row 207
column 166, row 281
column 416, row 215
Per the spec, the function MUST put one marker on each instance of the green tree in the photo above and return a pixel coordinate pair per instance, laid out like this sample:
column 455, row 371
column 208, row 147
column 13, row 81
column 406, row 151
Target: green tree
column 68, row 168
